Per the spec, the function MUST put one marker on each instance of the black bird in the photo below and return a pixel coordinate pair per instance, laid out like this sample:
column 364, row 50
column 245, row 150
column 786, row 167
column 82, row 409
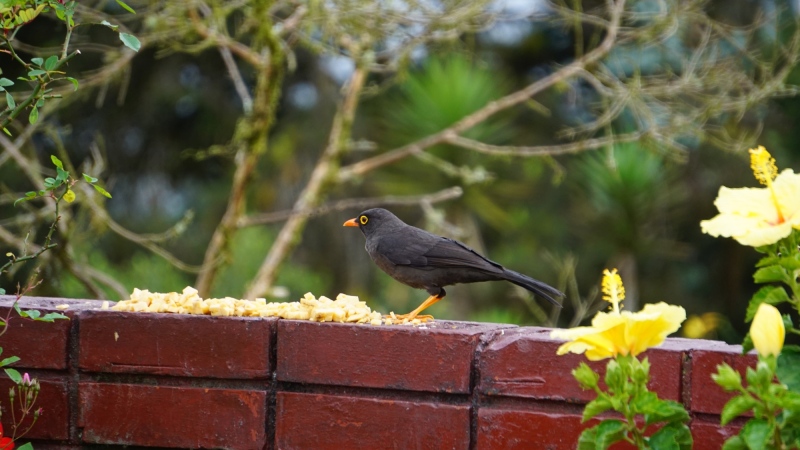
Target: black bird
column 424, row 260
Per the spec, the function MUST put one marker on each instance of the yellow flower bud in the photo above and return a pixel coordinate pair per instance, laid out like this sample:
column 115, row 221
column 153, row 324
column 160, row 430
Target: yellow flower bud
column 767, row 330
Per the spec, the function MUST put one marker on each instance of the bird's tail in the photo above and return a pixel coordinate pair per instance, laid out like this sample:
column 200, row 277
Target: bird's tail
column 537, row 287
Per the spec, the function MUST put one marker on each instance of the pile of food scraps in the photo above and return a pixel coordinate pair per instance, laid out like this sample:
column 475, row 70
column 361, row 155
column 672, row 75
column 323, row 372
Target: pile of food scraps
column 346, row 308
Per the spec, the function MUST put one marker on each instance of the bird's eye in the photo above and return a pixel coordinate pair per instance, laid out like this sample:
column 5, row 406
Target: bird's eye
column 363, row 220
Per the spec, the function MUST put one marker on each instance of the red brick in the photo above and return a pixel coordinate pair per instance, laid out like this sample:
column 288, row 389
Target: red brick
column 436, row 358
column 53, row 398
column 128, row 414
column 707, row 432
column 40, row 345
column 521, row 429
column 175, row 344
column 320, row 421
column 522, row 362
column 705, row 395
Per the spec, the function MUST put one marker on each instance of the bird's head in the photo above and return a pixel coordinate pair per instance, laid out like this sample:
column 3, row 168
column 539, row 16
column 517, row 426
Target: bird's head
column 374, row 219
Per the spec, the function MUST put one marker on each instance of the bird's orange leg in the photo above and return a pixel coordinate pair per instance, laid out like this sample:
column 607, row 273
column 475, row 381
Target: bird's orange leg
column 415, row 313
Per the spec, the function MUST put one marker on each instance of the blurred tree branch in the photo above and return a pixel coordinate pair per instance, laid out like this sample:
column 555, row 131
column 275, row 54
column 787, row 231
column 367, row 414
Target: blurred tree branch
column 353, row 203
column 360, row 168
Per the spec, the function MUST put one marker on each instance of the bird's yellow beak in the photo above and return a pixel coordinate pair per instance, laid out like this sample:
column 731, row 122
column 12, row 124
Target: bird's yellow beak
column 351, row 223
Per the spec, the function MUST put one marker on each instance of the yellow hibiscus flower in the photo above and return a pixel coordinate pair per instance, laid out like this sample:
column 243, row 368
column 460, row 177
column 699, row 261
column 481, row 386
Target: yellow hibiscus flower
column 621, row 333
column 758, row 216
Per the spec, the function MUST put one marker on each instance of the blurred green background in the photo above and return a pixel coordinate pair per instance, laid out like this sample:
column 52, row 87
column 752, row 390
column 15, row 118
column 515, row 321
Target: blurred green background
column 163, row 123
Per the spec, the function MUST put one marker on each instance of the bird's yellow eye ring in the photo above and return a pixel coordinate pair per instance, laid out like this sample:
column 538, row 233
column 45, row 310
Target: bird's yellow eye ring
column 363, row 220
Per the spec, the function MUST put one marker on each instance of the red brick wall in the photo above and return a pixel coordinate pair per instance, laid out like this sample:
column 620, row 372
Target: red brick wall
column 163, row 380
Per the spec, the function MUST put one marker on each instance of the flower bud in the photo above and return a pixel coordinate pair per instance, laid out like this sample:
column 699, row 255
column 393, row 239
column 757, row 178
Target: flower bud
column 729, row 379
column 587, row 378
column 767, row 330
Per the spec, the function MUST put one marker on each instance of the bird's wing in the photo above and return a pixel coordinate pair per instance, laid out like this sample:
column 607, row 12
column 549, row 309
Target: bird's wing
column 418, row 248
column 406, row 248
column 451, row 253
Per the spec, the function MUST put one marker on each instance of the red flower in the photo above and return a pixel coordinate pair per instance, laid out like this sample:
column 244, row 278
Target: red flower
column 5, row 442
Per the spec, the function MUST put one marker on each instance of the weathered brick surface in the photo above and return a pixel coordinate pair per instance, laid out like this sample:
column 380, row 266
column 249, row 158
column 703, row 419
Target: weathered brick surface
column 706, row 396
column 525, row 429
column 319, row 421
column 53, row 423
column 172, row 344
column 128, row 414
column 437, row 358
column 40, row 345
column 707, row 433
column 373, row 387
column 522, row 362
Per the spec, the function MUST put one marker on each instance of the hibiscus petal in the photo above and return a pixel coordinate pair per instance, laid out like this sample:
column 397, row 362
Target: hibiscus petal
column 746, row 202
column 787, row 190
column 729, row 225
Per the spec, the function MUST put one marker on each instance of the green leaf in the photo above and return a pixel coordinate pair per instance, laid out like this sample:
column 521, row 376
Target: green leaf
column 773, row 295
column 126, row 7
column 5, row 82
column 791, row 262
column 37, row 61
column 595, row 407
column 32, row 314
column 747, row 344
column 667, row 411
column 3, row 291
column 588, row 439
column 10, row 101
column 788, row 362
column 62, row 175
column 25, row 446
column 770, row 274
column 674, row 436
column 729, row 379
column 57, row 162
column 789, row 401
column 735, row 443
column 735, row 407
column 644, row 402
column 768, row 260
column 608, row 432
column 34, row 115
column 14, row 375
column 51, row 62
column 101, row 190
column 89, row 178
column 36, row 73
column 756, row 433
column 49, row 182
column 51, row 317
column 130, row 41
column 74, row 83
column 9, row 360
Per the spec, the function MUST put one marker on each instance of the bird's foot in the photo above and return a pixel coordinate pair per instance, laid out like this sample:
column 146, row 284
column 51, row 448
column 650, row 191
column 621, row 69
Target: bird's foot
column 408, row 318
